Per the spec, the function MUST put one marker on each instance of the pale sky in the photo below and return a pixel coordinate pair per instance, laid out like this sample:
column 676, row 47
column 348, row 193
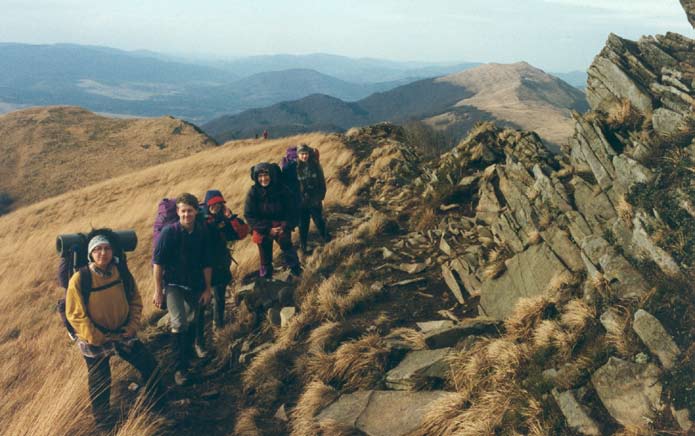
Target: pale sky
column 556, row 35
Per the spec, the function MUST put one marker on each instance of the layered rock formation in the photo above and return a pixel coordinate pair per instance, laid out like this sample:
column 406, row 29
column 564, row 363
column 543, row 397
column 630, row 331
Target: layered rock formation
column 558, row 287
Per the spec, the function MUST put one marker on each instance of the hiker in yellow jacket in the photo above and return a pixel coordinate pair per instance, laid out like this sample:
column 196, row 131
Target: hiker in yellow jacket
column 104, row 306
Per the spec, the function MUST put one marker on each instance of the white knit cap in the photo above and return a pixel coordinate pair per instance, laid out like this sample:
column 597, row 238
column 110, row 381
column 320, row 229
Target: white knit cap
column 96, row 241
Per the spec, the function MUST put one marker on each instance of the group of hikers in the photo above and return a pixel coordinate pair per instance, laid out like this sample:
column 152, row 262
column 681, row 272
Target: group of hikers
column 191, row 267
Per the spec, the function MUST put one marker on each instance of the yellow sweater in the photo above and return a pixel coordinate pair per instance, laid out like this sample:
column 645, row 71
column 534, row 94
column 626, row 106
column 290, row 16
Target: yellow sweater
column 109, row 308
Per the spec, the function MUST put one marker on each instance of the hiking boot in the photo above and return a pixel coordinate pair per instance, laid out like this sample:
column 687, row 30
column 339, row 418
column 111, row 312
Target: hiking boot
column 296, row 271
column 273, row 315
column 326, row 237
column 200, row 351
column 181, row 377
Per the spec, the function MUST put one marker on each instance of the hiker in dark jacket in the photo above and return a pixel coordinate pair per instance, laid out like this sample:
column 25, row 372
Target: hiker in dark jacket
column 312, row 189
column 105, row 321
column 272, row 214
column 224, row 227
column 182, row 269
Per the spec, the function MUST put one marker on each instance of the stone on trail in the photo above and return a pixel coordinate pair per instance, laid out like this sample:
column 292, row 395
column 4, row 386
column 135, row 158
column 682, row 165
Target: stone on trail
column 381, row 413
column 450, row 336
column 575, row 414
column 631, row 392
column 656, row 338
column 528, row 275
column 416, row 366
column 428, row 326
column 286, row 314
column 453, row 284
column 412, row 268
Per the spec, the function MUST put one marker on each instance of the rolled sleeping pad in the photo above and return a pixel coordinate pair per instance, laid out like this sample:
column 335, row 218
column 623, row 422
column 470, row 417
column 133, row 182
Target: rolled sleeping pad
column 127, row 239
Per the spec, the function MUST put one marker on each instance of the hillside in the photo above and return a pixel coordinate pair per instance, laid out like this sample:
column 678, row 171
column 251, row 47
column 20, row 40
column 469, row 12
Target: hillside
column 497, row 289
column 531, row 99
column 38, row 383
column 50, row 150
column 523, row 95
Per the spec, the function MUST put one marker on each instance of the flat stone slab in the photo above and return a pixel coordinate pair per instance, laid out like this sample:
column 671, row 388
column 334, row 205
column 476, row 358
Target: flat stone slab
column 419, row 364
column 656, row 338
column 631, row 392
column 453, row 284
column 528, row 274
column 381, row 413
column 428, row 326
column 450, row 336
column 576, row 415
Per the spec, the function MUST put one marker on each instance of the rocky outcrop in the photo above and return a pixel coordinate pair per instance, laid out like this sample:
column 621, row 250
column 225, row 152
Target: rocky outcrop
column 689, row 6
column 631, row 392
column 381, row 413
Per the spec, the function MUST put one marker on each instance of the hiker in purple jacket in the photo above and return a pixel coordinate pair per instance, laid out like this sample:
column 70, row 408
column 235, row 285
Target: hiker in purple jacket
column 272, row 215
column 182, row 268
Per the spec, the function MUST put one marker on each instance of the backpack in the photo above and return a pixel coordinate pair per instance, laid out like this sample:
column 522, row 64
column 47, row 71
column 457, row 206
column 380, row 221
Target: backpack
column 291, row 156
column 166, row 215
column 75, row 259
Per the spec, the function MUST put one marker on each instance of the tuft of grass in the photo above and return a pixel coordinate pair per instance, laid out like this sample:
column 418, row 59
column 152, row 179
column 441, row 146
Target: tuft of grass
column 360, row 364
column 246, row 422
column 315, row 397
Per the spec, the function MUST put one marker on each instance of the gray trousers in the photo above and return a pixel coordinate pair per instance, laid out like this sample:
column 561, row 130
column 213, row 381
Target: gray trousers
column 182, row 306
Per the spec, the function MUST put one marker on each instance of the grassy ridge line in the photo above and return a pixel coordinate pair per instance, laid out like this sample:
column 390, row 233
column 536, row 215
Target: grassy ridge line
column 37, row 366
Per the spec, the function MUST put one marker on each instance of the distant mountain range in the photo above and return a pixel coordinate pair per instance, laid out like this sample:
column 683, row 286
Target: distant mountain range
column 143, row 83
column 517, row 95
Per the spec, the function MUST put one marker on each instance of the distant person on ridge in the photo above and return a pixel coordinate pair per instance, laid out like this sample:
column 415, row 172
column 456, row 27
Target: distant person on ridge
column 105, row 320
column 224, row 227
column 271, row 212
column 312, row 189
column 265, row 134
column 182, row 268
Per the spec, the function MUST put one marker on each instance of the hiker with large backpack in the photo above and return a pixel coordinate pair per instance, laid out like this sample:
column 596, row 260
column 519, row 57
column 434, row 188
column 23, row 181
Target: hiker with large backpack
column 312, row 190
column 224, row 227
column 182, row 269
column 103, row 306
column 271, row 212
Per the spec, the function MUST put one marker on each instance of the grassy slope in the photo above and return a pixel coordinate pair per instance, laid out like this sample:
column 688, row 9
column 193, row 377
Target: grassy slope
column 36, row 380
column 50, row 150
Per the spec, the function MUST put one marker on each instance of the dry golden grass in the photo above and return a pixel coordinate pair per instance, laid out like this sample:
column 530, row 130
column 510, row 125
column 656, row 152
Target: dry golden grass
column 37, row 355
column 624, row 115
column 414, row 338
column 315, row 397
column 47, row 151
column 617, row 330
column 625, row 211
column 246, row 422
column 526, row 315
column 360, row 364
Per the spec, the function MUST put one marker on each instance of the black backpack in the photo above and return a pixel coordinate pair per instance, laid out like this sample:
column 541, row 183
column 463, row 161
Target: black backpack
column 74, row 259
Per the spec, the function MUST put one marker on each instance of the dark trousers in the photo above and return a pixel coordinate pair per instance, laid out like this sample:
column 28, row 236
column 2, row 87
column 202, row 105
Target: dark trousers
column 218, row 301
column 99, row 375
column 314, row 212
column 289, row 254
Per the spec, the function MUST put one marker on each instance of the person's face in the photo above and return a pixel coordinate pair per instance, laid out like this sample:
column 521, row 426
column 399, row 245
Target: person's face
column 303, row 156
column 264, row 179
column 102, row 255
column 186, row 214
column 216, row 208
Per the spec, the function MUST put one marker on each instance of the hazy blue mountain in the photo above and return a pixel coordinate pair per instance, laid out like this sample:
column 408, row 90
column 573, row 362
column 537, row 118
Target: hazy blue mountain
column 455, row 102
column 574, row 78
column 144, row 83
column 359, row 70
